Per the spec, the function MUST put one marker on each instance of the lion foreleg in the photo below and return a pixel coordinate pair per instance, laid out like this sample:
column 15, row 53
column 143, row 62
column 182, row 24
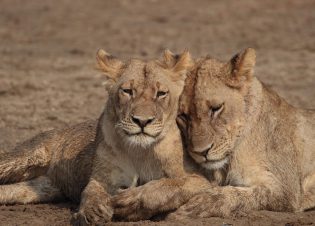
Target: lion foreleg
column 229, row 200
column 157, row 196
column 95, row 207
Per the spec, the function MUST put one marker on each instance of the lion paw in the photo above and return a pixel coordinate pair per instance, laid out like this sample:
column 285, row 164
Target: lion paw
column 129, row 205
column 94, row 214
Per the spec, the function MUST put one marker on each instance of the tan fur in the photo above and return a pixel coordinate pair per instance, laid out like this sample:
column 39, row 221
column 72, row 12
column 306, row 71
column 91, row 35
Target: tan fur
column 37, row 190
column 263, row 148
column 145, row 93
column 162, row 195
column 246, row 138
column 135, row 141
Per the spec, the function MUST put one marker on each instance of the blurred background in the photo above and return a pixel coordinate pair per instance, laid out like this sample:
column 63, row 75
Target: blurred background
column 47, row 50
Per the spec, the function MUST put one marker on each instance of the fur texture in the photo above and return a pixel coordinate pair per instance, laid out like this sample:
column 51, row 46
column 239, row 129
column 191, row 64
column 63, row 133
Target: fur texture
column 135, row 140
column 250, row 141
column 267, row 145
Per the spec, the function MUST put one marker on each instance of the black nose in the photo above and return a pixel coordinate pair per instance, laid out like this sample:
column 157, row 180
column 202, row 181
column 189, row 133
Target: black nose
column 205, row 152
column 141, row 121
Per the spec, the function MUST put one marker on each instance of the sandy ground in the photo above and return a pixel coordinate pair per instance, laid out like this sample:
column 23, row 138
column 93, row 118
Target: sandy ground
column 47, row 79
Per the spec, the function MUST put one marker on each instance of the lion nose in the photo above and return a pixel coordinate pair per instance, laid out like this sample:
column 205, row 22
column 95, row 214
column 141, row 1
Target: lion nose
column 205, row 152
column 141, row 121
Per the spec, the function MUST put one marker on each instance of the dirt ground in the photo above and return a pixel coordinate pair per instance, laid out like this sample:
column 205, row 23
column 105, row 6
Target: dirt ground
column 47, row 80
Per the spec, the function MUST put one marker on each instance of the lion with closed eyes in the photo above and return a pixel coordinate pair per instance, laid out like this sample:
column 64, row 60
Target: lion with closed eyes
column 259, row 148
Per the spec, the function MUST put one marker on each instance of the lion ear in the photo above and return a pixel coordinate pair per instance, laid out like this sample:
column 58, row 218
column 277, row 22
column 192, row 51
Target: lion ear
column 241, row 66
column 178, row 64
column 109, row 65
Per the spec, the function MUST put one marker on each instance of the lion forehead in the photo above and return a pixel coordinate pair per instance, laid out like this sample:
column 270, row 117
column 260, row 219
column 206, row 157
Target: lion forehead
column 211, row 71
column 134, row 69
column 144, row 73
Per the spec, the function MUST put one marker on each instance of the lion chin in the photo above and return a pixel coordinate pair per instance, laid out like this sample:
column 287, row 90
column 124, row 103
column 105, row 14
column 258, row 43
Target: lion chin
column 140, row 140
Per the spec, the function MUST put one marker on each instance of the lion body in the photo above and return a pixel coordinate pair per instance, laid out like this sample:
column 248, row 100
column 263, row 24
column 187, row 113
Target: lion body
column 251, row 140
column 256, row 149
column 136, row 140
column 63, row 156
column 277, row 152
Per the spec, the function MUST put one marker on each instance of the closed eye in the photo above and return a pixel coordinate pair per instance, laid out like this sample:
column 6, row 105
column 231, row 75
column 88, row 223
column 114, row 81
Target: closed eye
column 183, row 117
column 216, row 110
column 161, row 94
column 128, row 91
column 182, row 122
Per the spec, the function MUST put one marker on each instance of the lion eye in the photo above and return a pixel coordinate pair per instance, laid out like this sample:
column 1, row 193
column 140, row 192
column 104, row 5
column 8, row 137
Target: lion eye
column 184, row 117
column 183, row 121
column 161, row 94
column 128, row 91
column 216, row 110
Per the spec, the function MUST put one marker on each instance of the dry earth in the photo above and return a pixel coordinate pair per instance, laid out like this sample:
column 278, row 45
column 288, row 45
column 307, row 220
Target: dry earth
column 47, row 79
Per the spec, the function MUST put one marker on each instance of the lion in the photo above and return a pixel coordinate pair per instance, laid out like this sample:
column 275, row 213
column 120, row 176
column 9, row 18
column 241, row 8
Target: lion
column 135, row 140
column 258, row 149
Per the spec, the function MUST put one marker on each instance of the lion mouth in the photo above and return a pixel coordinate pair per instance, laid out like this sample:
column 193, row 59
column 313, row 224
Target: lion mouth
column 139, row 139
column 141, row 133
column 217, row 158
column 214, row 160
column 215, row 164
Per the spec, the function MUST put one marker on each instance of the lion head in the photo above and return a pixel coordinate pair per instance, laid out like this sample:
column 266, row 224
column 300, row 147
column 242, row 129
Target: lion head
column 215, row 107
column 143, row 95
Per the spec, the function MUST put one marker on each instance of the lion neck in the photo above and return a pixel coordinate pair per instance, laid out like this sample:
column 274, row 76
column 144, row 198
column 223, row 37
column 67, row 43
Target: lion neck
column 270, row 108
column 266, row 112
column 254, row 108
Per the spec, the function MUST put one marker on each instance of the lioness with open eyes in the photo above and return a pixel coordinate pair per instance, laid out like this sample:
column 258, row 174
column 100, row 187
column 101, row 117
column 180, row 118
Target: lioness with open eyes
column 257, row 146
column 136, row 140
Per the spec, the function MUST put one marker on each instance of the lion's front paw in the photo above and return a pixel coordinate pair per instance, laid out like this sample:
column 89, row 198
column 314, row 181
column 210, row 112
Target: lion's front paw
column 144, row 202
column 202, row 206
column 93, row 213
column 79, row 219
column 130, row 205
